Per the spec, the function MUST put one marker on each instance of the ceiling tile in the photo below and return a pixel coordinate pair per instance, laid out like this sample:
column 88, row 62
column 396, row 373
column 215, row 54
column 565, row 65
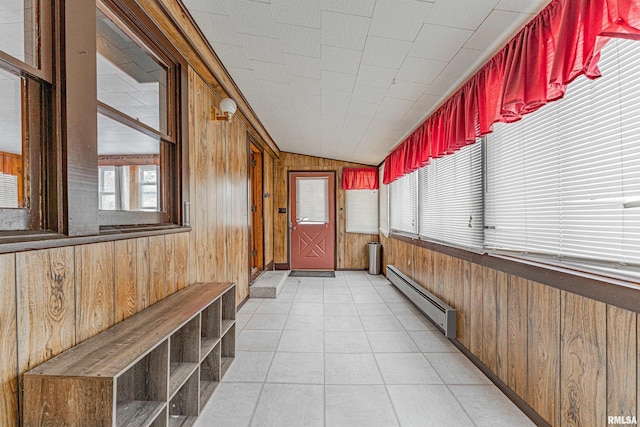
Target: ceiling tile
column 438, row 42
column 398, row 19
column 304, row 66
column 262, row 48
column 467, row 14
column 366, row 93
column 305, row 85
column 347, row 31
column 219, row 7
column 380, row 77
column 383, row 52
column 255, row 18
column 218, row 29
column 270, row 71
column 335, row 97
column 462, row 62
column 420, row 70
column 337, row 81
column 244, row 78
column 442, row 85
column 498, row 25
column 299, row 40
column 273, row 88
column 339, row 59
column 398, row 106
column 406, row 90
column 304, row 13
column 525, row 6
column 363, row 107
column 351, row 7
column 231, row 55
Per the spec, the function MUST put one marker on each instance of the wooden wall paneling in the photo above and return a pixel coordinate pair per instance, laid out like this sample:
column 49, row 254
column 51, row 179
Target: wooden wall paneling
column 463, row 301
column 125, row 278
column 8, row 342
column 341, row 218
column 543, row 351
column 181, row 253
column 238, row 216
column 517, row 335
column 355, row 254
column 439, row 274
column 420, row 267
column 95, row 289
column 170, row 264
column 46, row 308
column 196, row 120
column 489, row 319
column 143, row 275
column 280, row 226
column 157, row 269
column 220, row 203
column 622, row 362
column 583, row 361
column 448, row 283
column 476, row 323
column 268, row 212
column 502, row 325
column 201, row 207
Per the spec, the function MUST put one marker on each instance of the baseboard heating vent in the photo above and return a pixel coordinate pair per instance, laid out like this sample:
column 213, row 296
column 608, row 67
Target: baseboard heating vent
column 433, row 307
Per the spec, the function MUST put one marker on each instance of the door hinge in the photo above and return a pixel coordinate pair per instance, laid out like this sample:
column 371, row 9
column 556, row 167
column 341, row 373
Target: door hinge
column 253, row 163
column 254, row 253
column 254, row 208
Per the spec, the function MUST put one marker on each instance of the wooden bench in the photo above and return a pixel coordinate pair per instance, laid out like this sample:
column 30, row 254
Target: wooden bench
column 157, row 368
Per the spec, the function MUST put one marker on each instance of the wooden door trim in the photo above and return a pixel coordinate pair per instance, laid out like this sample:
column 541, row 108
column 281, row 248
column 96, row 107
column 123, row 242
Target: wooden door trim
column 253, row 148
column 335, row 214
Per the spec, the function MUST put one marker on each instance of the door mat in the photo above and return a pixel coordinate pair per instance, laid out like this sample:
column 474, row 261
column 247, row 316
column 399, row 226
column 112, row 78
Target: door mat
column 308, row 273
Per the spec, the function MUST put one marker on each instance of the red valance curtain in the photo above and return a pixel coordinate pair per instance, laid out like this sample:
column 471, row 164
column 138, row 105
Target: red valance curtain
column 360, row 179
column 561, row 43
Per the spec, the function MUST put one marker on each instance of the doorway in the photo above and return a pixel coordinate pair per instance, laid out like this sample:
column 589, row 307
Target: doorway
column 312, row 230
column 256, row 254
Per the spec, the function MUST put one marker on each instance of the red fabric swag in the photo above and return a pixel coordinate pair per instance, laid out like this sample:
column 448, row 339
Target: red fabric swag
column 360, row 179
column 561, row 43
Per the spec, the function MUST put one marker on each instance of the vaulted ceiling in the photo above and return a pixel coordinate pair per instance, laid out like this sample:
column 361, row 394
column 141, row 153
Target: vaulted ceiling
column 350, row 79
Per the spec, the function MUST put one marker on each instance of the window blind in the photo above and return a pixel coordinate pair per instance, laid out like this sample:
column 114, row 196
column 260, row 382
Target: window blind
column 403, row 203
column 362, row 211
column 383, row 207
column 564, row 182
column 450, row 199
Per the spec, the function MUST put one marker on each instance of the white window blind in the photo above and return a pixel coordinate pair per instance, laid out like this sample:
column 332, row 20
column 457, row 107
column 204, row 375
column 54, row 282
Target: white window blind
column 403, row 203
column 312, row 200
column 383, row 207
column 362, row 211
column 564, row 182
column 450, row 199
column 8, row 191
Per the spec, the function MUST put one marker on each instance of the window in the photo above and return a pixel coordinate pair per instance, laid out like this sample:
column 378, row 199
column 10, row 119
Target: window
column 403, row 204
column 25, row 95
column 137, row 127
column 450, row 199
column 312, row 200
column 383, row 206
column 362, row 211
column 564, row 182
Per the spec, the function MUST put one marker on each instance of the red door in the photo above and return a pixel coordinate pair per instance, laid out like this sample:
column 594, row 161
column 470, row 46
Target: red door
column 313, row 231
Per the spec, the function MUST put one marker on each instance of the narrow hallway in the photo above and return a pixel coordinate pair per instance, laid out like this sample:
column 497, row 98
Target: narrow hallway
column 350, row 351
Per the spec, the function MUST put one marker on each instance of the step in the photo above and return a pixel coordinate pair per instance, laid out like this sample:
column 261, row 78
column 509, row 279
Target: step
column 268, row 285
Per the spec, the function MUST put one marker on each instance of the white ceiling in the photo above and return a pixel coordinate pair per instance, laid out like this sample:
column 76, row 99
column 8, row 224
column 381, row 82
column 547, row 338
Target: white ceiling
column 350, row 79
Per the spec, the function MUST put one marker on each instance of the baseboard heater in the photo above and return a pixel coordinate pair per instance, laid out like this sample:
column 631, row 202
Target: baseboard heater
column 443, row 315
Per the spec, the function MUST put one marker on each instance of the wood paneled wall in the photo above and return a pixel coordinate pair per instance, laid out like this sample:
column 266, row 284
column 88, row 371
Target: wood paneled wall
column 268, row 208
column 574, row 360
column 219, row 245
column 351, row 251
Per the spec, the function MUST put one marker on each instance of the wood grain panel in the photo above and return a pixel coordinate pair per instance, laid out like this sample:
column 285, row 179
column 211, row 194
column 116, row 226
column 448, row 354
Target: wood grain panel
column 543, row 351
column 476, row 323
column 196, row 120
column 126, row 289
column 583, row 361
column 95, row 289
column 8, row 342
column 157, row 273
column 489, row 318
column 46, row 305
column 170, row 264
column 143, row 276
column 268, row 209
column 622, row 357
column 464, row 301
column 517, row 335
column 502, row 322
column 181, row 251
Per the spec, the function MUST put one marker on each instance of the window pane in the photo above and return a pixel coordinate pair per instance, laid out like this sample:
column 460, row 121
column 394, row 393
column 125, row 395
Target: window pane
column 129, row 167
column 129, row 79
column 11, row 158
column 18, row 29
column 312, row 200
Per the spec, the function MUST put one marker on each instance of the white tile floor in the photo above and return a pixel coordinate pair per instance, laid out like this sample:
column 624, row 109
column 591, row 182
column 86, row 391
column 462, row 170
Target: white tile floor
column 350, row 351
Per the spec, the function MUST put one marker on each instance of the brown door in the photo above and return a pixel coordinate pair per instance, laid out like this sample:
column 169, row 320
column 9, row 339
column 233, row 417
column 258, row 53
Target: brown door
column 313, row 231
column 257, row 223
